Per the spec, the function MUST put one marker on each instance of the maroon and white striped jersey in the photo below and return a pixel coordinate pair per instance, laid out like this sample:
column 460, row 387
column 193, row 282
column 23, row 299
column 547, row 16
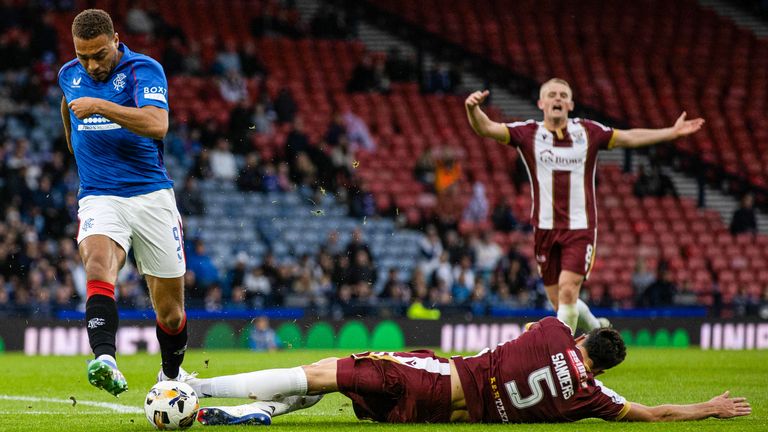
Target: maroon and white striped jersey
column 562, row 166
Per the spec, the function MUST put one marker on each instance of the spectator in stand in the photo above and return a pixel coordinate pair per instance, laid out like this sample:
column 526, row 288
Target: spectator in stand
column 424, row 170
column 395, row 291
column 263, row 120
column 357, row 132
column 193, row 63
column 661, row 292
column 232, row 87
column 456, row 247
column 189, row 198
column 362, row 79
column 240, row 125
column 228, row 60
column 236, row 275
column 399, row 67
column 262, row 337
column 173, row 57
column 476, row 211
column 223, row 163
column 431, row 247
column 449, row 209
column 478, row 301
column 201, row 169
column 285, row 106
column 503, row 218
column 213, row 299
column 336, row 129
column 250, row 177
column 362, row 203
column 655, row 184
column 258, row 288
column 138, row 22
column 515, row 271
column 744, row 219
column 251, row 64
column 296, row 141
column 641, row 278
column 447, row 172
column 487, row 254
column 438, row 79
column 270, row 181
column 198, row 262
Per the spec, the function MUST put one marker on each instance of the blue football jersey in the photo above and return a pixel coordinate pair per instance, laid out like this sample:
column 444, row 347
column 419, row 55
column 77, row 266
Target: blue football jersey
column 112, row 160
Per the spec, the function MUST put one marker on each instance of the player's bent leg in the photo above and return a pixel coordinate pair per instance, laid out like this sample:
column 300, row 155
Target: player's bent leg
column 167, row 296
column 264, row 385
column 321, row 376
column 553, row 291
column 568, row 312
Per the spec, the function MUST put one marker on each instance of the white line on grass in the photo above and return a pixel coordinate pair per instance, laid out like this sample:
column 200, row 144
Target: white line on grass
column 52, row 412
column 123, row 409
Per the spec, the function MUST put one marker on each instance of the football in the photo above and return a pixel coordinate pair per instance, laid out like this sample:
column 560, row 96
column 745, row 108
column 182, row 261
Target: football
column 171, row 405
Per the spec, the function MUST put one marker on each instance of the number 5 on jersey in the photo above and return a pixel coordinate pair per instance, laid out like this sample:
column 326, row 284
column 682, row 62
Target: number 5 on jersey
column 534, row 383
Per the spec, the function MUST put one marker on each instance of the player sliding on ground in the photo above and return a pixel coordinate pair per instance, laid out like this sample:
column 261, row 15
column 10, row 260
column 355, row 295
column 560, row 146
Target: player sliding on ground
column 560, row 155
column 545, row 375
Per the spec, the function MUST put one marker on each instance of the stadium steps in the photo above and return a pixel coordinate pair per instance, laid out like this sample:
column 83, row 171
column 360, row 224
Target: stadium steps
column 741, row 17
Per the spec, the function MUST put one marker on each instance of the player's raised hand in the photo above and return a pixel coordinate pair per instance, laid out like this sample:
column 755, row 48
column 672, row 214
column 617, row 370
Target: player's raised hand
column 727, row 407
column 685, row 127
column 84, row 107
column 476, row 98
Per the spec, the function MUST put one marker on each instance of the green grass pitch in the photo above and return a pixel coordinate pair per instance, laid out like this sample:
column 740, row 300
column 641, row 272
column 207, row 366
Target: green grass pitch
column 35, row 391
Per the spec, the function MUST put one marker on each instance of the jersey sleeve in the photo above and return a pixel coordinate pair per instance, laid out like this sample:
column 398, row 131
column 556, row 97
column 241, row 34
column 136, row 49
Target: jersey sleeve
column 601, row 402
column 517, row 132
column 600, row 134
column 150, row 85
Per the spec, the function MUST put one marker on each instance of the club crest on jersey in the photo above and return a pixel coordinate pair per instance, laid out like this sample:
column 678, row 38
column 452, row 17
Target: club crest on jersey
column 119, row 82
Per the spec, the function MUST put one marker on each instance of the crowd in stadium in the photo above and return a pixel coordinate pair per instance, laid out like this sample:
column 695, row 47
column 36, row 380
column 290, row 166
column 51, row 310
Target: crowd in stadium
column 465, row 271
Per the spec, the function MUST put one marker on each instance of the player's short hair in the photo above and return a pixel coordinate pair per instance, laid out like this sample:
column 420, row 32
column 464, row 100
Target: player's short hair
column 605, row 347
column 555, row 81
column 92, row 23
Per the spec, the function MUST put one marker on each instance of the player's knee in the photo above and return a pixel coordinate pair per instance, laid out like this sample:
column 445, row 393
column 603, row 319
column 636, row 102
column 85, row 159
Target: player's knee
column 569, row 292
column 171, row 318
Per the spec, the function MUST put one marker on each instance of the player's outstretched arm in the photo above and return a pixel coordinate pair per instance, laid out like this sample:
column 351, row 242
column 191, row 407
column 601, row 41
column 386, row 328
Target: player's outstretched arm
column 149, row 121
column 642, row 137
column 67, row 123
column 722, row 406
column 480, row 122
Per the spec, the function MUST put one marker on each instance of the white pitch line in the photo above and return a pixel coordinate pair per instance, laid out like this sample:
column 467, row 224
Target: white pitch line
column 122, row 409
column 52, row 412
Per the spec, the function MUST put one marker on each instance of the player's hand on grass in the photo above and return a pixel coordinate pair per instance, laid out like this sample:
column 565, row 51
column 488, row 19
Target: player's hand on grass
column 84, row 107
column 476, row 99
column 685, row 127
column 727, row 407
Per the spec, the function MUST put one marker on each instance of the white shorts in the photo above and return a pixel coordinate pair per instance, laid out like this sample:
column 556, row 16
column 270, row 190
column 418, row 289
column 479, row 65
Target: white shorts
column 149, row 223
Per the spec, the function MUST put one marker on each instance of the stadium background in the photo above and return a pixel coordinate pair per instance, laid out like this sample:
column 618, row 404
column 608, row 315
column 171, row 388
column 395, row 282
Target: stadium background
column 328, row 177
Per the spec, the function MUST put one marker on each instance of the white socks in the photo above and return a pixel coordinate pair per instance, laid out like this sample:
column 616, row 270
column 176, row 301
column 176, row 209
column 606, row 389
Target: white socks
column 266, row 385
column 569, row 315
column 290, row 404
column 587, row 321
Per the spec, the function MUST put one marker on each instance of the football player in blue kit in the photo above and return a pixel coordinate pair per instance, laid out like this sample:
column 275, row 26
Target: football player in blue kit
column 115, row 115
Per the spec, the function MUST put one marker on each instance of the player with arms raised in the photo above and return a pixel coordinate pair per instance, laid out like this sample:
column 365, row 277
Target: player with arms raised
column 543, row 376
column 560, row 155
column 115, row 115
